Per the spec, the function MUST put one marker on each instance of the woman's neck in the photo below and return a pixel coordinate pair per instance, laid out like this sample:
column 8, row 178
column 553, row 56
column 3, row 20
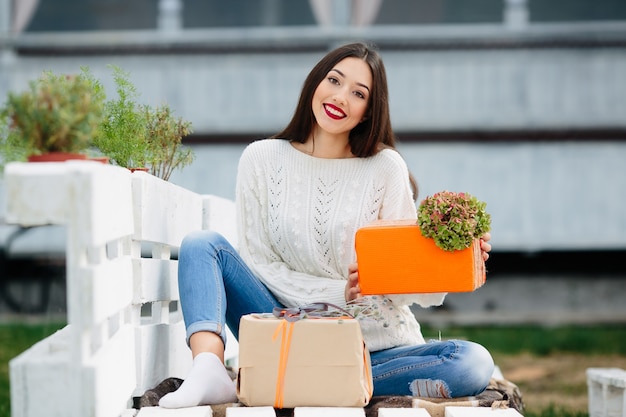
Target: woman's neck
column 323, row 145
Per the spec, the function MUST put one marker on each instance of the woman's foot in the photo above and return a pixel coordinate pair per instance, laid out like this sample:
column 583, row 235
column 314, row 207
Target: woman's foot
column 208, row 382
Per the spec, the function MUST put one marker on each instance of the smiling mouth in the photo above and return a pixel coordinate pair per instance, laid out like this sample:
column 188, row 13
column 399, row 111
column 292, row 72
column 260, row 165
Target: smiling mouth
column 334, row 112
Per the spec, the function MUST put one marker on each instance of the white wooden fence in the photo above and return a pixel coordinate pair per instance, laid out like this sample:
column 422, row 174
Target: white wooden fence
column 125, row 331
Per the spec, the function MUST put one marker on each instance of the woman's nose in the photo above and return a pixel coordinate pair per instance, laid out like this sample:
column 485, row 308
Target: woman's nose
column 340, row 97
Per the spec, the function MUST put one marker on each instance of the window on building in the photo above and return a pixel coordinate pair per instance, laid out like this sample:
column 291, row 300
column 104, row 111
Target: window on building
column 80, row 15
column 440, row 11
column 234, row 13
column 576, row 10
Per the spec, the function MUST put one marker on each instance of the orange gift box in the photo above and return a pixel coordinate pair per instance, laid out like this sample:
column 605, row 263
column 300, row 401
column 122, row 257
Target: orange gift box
column 394, row 258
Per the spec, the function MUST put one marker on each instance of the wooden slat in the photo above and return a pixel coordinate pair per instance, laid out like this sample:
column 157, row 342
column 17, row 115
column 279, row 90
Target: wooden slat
column 161, row 353
column 219, row 215
column 203, row 411
column 157, row 280
column 106, row 290
column 35, row 379
column 36, row 193
column 164, row 212
column 111, row 373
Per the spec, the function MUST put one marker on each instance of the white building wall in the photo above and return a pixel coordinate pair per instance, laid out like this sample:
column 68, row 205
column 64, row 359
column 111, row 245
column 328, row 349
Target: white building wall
column 541, row 196
column 557, row 195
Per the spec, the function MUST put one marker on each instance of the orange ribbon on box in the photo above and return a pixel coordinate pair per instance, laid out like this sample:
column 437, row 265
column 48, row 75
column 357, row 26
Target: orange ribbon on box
column 301, row 349
column 286, row 328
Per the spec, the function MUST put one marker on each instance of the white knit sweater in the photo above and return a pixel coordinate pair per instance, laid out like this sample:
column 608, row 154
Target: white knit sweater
column 297, row 217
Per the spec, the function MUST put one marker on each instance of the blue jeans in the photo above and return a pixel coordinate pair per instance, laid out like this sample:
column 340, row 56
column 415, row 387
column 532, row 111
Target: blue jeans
column 217, row 288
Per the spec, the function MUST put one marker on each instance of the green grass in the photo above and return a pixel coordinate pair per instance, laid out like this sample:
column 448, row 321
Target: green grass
column 553, row 411
column 540, row 341
column 14, row 339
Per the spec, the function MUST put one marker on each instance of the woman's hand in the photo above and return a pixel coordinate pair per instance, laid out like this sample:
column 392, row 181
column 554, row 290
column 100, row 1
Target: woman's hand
column 485, row 246
column 353, row 291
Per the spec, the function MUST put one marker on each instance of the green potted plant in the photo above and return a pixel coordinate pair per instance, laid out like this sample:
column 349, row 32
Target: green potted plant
column 165, row 151
column 453, row 220
column 54, row 119
column 138, row 136
column 122, row 133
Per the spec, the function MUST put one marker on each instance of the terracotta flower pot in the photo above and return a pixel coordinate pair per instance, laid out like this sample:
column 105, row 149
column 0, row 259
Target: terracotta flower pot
column 394, row 258
column 56, row 157
column 102, row 159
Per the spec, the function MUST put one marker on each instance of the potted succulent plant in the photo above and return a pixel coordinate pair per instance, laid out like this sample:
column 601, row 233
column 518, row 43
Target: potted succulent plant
column 54, row 119
column 453, row 220
column 440, row 252
column 138, row 136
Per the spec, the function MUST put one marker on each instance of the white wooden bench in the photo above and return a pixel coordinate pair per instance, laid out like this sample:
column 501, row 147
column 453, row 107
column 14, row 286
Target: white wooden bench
column 125, row 331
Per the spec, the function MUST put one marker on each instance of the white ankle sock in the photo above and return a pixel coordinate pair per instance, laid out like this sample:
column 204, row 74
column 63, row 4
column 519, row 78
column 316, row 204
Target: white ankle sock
column 208, row 382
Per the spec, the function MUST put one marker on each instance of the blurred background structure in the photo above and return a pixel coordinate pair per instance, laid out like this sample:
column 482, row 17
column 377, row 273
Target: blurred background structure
column 521, row 103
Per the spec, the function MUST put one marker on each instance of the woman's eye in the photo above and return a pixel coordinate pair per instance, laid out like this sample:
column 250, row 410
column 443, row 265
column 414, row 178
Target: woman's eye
column 359, row 94
column 333, row 80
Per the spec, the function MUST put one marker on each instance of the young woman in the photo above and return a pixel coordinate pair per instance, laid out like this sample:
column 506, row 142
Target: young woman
column 300, row 198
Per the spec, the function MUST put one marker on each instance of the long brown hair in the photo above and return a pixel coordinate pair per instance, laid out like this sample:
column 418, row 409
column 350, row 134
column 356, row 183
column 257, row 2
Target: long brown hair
column 371, row 135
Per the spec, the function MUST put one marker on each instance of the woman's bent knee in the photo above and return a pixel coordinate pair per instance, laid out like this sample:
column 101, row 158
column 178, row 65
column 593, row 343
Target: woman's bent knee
column 480, row 367
column 202, row 237
column 202, row 241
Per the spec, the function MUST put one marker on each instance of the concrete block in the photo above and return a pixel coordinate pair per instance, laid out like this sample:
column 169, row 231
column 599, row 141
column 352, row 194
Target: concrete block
column 204, row 411
column 403, row 412
column 607, row 392
column 250, row 412
column 481, row 412
column 328, row 412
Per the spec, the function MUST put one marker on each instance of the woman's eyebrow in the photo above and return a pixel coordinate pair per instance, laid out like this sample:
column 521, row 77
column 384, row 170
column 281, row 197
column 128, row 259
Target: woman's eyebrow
column 360, row 84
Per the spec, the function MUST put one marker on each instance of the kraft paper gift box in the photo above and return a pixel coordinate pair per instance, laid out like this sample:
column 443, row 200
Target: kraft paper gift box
column 394, row 258
column 312, row 362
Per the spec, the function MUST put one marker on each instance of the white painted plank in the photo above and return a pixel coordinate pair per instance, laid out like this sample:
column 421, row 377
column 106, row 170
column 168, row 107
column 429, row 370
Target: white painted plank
column 102, row 202
column 157, row 280
column 219, row 215
column 106, row 289
column 109, row 377
column 203, row 411
column 35, row 376
column 27, row 185
column 180, row 359
column 99, row 192
column 403, row 412
column 250, row 412
column 609, row 376
column 164, row 212
column 161, row 353
column 328, row 412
